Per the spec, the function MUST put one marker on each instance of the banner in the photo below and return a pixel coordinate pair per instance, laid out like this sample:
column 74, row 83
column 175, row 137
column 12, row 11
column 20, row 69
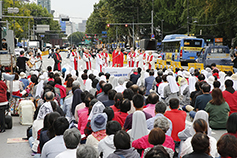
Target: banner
column 118, row 72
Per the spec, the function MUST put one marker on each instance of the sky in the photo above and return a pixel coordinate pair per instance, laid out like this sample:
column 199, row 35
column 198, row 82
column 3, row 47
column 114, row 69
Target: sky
column 81, row 9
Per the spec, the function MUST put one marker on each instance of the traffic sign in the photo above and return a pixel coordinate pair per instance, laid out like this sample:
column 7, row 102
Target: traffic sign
column 104, row 36
column 152, row 36
column 104, row 32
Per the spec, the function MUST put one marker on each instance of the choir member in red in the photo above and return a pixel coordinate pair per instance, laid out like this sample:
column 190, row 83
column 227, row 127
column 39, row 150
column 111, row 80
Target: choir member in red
column 116, row 57
column 131, row 58
column 150, row 61
column 99, row 61
column 74, row 59
column 58, row 60
column 87, row 58
column 105, row 58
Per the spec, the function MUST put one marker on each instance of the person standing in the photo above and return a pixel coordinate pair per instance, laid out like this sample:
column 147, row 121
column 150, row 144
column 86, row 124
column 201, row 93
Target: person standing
column 21, row 62
column 58, row 60
column 131, row 58
column 234, row 60
column 99, row 61
column 105, row 58
column 3, row 103
column 87, row 59
column 141, row 59
column 150, row 61
column 116, row 57
column 74, row 59
column 148, row 82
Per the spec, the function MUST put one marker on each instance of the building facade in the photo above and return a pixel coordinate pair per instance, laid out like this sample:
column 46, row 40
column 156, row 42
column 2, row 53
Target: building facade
column 45, row 4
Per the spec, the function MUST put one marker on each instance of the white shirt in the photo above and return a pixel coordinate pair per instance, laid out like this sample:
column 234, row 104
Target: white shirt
column 53, row 147
column 187, row 148
column 69, row 153
column 120, row 88
column 161, row 89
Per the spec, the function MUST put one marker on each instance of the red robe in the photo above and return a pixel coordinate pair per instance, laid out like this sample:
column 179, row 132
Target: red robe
column 106, row 59
column 149, row 60
column 115, row 58
column 75, row 60
column 132, row 59
column 88, row 63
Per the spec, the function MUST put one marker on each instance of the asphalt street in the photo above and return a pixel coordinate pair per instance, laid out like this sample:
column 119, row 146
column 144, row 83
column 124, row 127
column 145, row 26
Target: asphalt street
column 22, row 150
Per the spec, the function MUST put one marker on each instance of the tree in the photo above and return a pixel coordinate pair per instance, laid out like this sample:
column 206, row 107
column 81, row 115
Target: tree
column 76, row 37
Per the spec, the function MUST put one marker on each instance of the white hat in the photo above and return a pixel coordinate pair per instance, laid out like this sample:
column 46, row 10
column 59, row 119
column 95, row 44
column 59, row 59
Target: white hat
column 234, row 77
column 22, row 75
column 210, row 80
column 186, row 74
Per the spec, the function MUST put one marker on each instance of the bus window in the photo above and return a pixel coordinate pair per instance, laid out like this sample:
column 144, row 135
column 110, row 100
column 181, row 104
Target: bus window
column 192, row 43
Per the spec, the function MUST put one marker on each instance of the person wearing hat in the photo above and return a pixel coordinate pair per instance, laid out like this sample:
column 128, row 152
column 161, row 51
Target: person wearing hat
column 186, row 75
column 24, row 80
column 98, row 126
column 184, row 92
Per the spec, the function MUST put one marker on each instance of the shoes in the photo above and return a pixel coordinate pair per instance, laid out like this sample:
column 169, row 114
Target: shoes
column 2, row 130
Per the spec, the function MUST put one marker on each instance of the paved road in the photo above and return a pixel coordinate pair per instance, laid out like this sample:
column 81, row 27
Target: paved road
column 22, row 150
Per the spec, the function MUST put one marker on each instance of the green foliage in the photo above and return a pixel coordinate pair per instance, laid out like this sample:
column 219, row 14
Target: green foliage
column 76, row 37
column 27, row 9
column 213, row 17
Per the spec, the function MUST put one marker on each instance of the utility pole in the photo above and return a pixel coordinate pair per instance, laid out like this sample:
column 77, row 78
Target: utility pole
column 152, row 25
column 187, row 19
column 162, row 29
column 133, row 32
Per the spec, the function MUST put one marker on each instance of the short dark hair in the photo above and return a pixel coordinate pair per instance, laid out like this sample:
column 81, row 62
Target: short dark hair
column 215, row 71
column 84, row 76
column 60, row 125
column 151, row 72
column 128, row 94
column 109, row 112
column 216, row 84
column 92, row 77
column 229, row 83
column 200, row 143
column 129, row 84
column 164, row 78
column 112, row 127
column 213, row 64
column 22, row 52
column 160, row 107
column 227, row 146
column 125, row 106
column 138, row 100
column 156, row 136
column 122, row 140
column 111, row 94
column 201, row 77
column 94, row 83
column 107, row 75
column 152, row 98
column 101, row 74
column 107, row 87
column 16, row 76
column 157, row 151
column 231, row 125
column 174, row 103
column 158, row 79
column 206, row 87
column 72, row 138
column 49, row 68
column 51, row 75
column 52, row 83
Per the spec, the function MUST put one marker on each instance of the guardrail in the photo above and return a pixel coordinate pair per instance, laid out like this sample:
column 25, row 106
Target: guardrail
column 200, row 66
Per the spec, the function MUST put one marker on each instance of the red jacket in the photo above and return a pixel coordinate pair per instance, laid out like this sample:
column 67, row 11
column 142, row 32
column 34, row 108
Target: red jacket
column 177, row 117
column 120, row 117
column 3, row 91
column 231, row 99
column 142, row 143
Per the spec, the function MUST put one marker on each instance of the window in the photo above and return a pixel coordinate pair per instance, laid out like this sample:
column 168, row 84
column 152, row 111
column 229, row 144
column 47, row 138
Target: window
column 192, row 43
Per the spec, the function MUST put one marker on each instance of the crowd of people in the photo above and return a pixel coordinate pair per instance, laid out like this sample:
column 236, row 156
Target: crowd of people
column 93, row 114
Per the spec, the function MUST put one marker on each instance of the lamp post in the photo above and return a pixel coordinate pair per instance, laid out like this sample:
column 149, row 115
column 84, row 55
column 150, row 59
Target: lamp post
column 152, row 25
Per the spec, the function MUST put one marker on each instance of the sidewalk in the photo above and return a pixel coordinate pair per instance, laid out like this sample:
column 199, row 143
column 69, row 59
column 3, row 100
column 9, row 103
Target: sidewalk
column 16, row 150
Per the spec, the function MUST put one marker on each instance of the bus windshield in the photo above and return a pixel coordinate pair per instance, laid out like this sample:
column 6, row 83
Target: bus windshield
column 192, row 43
